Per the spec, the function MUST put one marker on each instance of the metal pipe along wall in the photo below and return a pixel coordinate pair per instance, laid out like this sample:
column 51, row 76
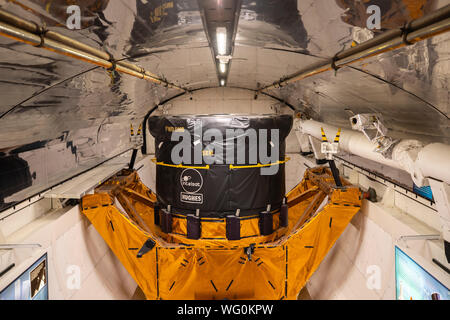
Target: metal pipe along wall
column 21, row 30
column 411, row 156
column 420, row 29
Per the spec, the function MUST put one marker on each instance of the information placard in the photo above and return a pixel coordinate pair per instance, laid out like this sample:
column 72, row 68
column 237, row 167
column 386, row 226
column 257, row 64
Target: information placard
column 415, row 283
column 30, row 285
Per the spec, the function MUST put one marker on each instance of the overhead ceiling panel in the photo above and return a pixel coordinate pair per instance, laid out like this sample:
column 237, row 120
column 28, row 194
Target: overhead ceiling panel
column 409, row 111
column 409, row 87
column 26, row 71
column 255, row 67
column 423, row 70
column 192, row 68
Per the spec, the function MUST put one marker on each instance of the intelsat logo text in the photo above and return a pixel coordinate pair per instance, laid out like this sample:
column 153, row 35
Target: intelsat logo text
column 191, row 181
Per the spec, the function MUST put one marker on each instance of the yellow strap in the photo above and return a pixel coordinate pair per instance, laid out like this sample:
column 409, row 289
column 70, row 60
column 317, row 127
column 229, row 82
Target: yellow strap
column 324, row 137
column 259, row 165
column 231, row 166
column 179, row 165
column 338, row 134
column 47, row 7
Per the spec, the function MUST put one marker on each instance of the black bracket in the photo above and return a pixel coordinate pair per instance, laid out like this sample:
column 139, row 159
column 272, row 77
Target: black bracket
column 233, row 227
column 166, row 220
column 249, row 251
column 335, row 172
column 284, row 214
column 133, row 159
column 333, row 64
column 41, row 31
column 194, row 229
column 113, row 63
column 447, row 250
column 371, row 195
column 406, row 29
column 265, row 222
column 156, row 217
column 148, row 245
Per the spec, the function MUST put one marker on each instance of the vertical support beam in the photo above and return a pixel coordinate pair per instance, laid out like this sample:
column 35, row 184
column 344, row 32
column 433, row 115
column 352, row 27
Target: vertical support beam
column 133, row 159
column 335, row 172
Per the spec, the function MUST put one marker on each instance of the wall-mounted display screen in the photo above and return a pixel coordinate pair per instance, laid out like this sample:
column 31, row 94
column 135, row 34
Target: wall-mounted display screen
column 415, row 283
column 30, row 285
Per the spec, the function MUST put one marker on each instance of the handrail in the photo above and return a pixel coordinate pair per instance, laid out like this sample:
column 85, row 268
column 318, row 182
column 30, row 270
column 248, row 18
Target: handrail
column 16, row 28
column 417, row 30
column 207, row 167
column 179, row 165
column 259, row 165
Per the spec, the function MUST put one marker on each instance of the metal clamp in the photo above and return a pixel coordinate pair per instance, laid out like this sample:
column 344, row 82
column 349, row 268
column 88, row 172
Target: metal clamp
column 41, row 31
column 148, row 245
column 113, row 63
column 194, row 227
column 406, row 29
column 166, row 220
column 249, row 251
column 266, row 222
column 284, row 215
column 233, row 226
column 333, row 64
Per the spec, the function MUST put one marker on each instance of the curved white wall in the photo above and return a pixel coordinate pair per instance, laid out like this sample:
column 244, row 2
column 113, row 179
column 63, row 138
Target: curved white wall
column 221, row 100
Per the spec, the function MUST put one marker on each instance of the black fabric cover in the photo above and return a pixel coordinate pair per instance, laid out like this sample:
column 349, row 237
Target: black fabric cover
column 219, row 191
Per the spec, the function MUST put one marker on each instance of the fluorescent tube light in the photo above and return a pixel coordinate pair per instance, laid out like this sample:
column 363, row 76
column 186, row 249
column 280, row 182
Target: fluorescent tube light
column 222, row 67
column 221, row 38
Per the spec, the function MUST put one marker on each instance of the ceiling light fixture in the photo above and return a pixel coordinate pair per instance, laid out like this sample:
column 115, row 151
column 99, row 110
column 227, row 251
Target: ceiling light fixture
column 222, row 67
column 221, row 38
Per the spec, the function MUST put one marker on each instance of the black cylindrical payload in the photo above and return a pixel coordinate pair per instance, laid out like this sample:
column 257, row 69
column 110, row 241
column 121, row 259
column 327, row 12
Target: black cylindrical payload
column 220, row 163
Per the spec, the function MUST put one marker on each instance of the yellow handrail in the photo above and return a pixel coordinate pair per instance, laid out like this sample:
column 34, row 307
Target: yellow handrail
column 180, row 165
column 259, row 165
